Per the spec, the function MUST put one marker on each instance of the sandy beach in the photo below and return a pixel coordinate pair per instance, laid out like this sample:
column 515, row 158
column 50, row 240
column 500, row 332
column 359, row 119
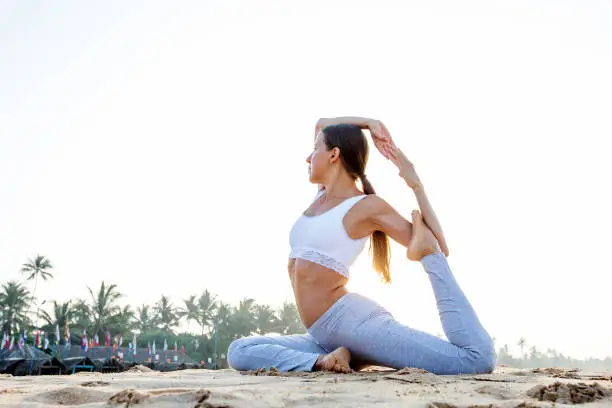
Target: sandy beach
column 228, row 388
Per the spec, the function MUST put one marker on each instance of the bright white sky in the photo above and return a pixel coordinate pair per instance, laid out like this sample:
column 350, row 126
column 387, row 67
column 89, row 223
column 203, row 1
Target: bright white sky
column 162, row 147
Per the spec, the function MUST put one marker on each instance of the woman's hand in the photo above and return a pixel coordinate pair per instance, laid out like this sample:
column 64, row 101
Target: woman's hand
column 380, row 135
column 408, row 173
column 381, row 138
column 405, row 167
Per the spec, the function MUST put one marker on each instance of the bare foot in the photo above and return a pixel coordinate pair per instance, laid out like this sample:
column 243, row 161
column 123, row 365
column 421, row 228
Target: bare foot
column 423, row 241
column 336, row 361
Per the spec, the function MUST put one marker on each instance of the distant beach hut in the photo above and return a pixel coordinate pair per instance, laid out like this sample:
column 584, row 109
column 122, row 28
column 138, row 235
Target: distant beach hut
column 21, row 361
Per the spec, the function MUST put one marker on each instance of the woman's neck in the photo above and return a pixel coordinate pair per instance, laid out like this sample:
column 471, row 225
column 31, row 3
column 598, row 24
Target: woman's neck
column 341, row 187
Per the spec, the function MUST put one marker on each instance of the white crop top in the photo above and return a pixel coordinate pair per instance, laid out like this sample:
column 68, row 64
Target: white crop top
column 322, row 238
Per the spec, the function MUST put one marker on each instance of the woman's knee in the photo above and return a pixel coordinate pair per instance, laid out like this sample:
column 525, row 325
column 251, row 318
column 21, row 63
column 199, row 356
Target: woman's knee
column 484, row 361
column 235, row 353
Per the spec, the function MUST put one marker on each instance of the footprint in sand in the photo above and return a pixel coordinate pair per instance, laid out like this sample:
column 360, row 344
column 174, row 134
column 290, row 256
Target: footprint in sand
column 171, row 397
column 128, row 397
column 11, row 391
column 72, row 396
column 569, row 393
column 95, row 384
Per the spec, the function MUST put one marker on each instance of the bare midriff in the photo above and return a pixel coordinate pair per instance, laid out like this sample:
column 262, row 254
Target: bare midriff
column 316, row 288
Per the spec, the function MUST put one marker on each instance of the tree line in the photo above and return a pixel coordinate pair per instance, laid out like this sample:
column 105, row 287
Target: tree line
column 532, row 357
column 204, row 315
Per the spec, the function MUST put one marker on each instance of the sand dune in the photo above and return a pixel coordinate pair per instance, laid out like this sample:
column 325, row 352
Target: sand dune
column 227, row 388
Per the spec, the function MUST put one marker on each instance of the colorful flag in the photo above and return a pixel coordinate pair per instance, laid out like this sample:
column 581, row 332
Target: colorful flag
column 196, row 343
column 134, row 343
column 96, row 340
column 4, row 340
column 84, row 345
column 165, row 344
column 21, row 342
column 68, row 336
column 120, row 339
column 182, row 351
column 25, row 336
column 175, row 346
column 37, row 339
column 46, row 344
column 107, row 339
column 149, row 349
column 57, row 335
column 12, row 344
column 67, row 333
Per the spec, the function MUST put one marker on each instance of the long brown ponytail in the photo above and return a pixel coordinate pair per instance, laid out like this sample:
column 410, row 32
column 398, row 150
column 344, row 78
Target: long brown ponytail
column 353, row 147
column 379, row 241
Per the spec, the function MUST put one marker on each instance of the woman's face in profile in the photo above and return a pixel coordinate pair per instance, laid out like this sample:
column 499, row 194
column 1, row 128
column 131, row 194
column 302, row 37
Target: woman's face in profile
column 318, row 159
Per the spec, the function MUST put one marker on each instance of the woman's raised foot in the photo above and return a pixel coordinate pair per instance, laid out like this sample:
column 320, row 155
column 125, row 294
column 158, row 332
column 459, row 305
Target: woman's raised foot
column 423, row 241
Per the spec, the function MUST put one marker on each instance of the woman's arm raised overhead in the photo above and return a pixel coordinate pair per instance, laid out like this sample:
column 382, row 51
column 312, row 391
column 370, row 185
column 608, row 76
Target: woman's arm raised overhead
column 408, row 173
column 363, row 123
column 380, row 134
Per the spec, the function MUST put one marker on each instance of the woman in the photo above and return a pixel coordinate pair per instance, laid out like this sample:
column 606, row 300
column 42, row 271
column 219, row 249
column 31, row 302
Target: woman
column 345, row 329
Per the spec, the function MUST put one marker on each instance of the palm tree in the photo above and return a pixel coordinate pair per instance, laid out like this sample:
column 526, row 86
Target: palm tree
column 289, row 320
column 144, row 320
column 35, row 268
column 522, row 343
column 534, row 353
column 265, row 319
column 13, row 303
column 191, row 311
column 242, row 321
column 81, row 315
column 122, row 321
column 222, row 319
column 504, row 352
column 104, row 306
column 62, row 313
column 207, row 306
column 167, row 314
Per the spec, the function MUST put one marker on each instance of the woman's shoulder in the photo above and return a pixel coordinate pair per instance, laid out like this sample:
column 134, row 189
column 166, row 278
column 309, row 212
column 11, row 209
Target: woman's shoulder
column 367, row 215
column 372, row 205
column 374, row 201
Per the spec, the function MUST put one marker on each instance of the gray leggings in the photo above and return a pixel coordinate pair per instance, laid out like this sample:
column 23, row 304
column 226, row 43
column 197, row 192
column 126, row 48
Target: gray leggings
column 372, row 335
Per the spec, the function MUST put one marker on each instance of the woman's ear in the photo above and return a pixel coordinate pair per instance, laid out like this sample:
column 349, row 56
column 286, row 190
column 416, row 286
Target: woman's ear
column 335, row 154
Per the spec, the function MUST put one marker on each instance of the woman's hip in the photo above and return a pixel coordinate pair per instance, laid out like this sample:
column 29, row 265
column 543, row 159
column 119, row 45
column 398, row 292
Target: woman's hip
column 338, row 324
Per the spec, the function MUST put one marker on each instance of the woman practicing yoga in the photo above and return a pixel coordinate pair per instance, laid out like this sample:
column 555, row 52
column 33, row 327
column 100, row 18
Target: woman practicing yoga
column 346, row 330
